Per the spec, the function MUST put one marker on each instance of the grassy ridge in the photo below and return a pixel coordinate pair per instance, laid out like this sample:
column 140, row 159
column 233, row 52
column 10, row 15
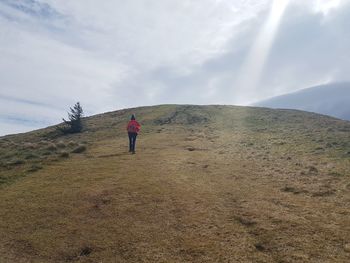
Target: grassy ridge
column 207, row 183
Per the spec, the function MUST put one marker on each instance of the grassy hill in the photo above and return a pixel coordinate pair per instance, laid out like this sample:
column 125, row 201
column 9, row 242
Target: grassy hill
column 207, row 184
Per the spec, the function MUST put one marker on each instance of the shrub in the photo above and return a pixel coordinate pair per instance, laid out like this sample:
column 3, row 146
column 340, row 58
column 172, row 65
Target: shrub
column 79, row 149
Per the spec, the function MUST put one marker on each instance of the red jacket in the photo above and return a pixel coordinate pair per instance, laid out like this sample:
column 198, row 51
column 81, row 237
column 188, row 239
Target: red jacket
column 133, row 126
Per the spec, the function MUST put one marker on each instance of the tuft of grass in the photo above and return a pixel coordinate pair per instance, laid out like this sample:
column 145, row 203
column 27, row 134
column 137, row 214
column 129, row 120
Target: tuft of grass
column 15, row 162
column 34, row 168
column 61, row 144
column 319, row 149
column 44, row 142
column 31, row 156
column 6, row 179
column 30, row 145
column 291, row 189
column 324, row 193
column 335, row 174
column 3, row 164
column 64, row 154
column 312, row 170
column 259, row 247
column 51, row 147
column 85, row 251
column 72, row 143
column 245, row 221
column 79, row 149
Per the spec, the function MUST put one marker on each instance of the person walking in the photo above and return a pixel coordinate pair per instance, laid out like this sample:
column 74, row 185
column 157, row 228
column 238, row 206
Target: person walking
column 133, row 129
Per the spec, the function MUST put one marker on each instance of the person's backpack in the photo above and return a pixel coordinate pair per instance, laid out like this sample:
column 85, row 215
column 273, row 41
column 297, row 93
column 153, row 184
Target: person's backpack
column 132, row 127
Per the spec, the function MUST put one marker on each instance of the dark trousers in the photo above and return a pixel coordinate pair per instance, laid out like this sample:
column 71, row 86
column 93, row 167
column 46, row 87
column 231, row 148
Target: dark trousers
column 132, row 141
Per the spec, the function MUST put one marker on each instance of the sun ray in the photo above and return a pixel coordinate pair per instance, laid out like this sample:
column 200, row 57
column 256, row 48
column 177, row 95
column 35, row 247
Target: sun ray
column 250, row 72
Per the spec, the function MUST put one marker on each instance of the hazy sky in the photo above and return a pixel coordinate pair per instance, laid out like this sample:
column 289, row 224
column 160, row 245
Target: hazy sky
column 115, row 54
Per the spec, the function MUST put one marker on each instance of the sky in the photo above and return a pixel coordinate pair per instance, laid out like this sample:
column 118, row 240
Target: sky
column 110, row 55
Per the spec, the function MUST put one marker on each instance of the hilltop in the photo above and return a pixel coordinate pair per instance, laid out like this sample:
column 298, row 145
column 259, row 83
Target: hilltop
column 331, row 99
column 207, row 184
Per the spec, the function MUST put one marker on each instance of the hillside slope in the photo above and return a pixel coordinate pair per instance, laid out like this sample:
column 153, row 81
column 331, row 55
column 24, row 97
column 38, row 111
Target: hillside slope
column 331, row 99
column 208, row 184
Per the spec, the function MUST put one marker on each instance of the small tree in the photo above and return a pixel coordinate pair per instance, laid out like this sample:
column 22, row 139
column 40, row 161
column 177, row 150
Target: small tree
column 74, row 124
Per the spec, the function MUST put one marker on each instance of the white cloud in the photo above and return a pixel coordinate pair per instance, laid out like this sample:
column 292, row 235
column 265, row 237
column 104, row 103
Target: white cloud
column 113, row 54
column 149, row 33
column 325, row 6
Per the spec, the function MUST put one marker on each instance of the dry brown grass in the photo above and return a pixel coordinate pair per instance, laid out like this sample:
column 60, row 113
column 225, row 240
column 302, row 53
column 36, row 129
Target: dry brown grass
column 190, row 194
